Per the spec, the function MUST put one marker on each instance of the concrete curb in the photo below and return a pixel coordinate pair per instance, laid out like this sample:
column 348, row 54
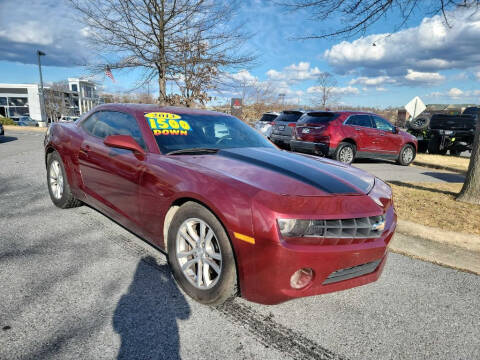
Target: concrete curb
column 454, row 257
column 24, row 128
column 468, row 242
column 439, row 167
column 447, row 248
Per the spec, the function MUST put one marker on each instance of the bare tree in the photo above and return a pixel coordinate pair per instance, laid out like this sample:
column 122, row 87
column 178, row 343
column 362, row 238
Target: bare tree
column 471, row 187
column 57, row 101
column 360, row 14
column 326, row 84
column 133, row 98
column 151, row 35
column 363, row 13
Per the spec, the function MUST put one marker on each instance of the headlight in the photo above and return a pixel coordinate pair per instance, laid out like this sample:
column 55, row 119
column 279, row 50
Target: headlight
column 293, row 227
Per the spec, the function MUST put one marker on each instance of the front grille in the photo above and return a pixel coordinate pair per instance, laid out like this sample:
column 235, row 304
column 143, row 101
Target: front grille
column 352, row 272
column 356, row 228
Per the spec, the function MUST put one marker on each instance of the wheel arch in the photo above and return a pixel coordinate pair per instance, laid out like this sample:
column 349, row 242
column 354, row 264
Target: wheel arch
column 48, row 150
column 413, row 144
column 349, row 140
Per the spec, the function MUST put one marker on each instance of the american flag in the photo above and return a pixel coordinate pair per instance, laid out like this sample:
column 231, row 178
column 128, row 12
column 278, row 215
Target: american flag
column 108, row 72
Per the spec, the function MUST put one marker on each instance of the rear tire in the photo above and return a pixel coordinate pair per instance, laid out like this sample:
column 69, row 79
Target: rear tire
column 406, row 155
column 216, row 281
column 345, row 152
column 57, row 182
column 422, row 146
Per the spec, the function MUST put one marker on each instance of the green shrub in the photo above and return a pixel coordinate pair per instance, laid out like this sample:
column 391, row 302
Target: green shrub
column 6, row 121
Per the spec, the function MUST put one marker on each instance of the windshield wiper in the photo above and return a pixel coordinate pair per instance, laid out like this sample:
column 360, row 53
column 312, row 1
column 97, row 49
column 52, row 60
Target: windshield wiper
column 193, row 151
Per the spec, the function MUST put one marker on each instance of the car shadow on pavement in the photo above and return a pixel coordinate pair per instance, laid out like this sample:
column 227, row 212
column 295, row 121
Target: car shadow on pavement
column 448, row 177
column 5, row 139
column 146, row 317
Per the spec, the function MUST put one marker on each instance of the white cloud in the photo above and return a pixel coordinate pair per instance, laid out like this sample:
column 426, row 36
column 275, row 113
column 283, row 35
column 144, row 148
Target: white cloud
column 48, row 25
column 243, row 76
column 294, row 73
column 477, row 75
column 455, row 93
column 347, row 90
column 381, row 89
column 28, row 32
column 424, row 77
column 429, row 47
column 372, row 81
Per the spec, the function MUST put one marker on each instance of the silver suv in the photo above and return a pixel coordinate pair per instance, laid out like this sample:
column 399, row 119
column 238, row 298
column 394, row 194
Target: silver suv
column 264, row 125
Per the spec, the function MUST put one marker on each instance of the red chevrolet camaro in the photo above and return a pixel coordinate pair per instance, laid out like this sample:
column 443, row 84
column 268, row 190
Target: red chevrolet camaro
column 232, row 212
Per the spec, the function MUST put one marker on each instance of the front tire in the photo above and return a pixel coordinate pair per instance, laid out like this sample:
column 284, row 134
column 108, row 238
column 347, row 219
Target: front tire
column 406, row 155
column 201, row 256
column 345, row 152
column 57, row 183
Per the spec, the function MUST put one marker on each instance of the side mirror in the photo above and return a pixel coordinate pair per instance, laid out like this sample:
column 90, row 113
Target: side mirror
column 124, row 142
column 395, row 130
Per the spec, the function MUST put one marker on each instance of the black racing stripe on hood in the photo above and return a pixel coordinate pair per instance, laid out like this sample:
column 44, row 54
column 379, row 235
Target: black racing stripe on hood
column 295, row 170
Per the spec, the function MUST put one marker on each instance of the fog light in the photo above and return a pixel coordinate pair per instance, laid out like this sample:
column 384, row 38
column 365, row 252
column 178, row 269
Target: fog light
column 301, row 278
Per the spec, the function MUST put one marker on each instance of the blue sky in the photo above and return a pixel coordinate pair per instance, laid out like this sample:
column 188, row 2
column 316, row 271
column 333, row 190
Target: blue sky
column 425, row 58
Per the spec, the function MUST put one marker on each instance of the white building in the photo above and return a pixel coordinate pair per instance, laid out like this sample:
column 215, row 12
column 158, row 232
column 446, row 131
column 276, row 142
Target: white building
column 87, row 93
column 19, row 100
column 24, row 99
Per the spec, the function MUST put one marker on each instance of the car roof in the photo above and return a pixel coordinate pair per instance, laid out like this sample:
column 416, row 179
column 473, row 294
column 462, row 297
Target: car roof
column 342, row 112
column 157, row 108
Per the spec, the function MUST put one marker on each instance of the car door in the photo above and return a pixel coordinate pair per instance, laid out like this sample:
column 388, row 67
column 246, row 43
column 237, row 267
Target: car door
column 112, row 176
column 360, row 128
column 388, row 142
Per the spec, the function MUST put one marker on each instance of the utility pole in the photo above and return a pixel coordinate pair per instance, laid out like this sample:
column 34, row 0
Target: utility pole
column 42, row 93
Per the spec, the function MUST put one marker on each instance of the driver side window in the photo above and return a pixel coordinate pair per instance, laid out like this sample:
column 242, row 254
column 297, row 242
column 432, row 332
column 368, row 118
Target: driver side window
column 382, row 124
column 105, row 123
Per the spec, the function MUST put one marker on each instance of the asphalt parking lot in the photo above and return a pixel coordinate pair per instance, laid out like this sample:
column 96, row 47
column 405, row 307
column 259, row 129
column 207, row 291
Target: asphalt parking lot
column 73, row 284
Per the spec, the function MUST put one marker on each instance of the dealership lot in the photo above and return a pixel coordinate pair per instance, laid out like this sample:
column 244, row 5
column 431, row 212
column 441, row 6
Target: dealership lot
column 73, row 284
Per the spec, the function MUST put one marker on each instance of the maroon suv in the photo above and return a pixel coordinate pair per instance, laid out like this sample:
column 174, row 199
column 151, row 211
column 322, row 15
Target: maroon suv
column 346, row 135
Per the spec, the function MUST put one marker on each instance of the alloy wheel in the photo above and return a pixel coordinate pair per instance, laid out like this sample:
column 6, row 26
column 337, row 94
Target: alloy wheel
column 407, row 155
column 56, row 179
column 346, row 155
column 198, row 253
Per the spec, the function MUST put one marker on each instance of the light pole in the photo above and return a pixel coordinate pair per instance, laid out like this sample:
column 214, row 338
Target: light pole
column 283, row 99
column 42, row 94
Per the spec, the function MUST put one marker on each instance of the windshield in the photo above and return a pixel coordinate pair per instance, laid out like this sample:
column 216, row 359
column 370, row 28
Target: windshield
column 190, row 131
column 268, row 117
column 318, row 118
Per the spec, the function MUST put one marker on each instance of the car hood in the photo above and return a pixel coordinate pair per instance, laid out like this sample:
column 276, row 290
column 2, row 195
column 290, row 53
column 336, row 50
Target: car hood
column 285, row 173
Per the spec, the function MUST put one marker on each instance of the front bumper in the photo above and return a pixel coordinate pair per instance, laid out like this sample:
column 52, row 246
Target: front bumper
column 311, row 147
column 270, row 267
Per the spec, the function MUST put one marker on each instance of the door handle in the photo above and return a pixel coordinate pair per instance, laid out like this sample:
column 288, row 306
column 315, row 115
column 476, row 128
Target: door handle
column 382, row 134
column 357, row 129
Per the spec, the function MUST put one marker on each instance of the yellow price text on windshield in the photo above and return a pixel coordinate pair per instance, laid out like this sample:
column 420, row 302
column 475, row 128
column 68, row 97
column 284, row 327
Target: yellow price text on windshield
column 160, row 121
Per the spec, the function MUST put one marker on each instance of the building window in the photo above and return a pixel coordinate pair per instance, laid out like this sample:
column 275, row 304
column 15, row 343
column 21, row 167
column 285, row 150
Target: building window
column 16, row 111
column 3, row 101
column 74, row 87
column 17, row 101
